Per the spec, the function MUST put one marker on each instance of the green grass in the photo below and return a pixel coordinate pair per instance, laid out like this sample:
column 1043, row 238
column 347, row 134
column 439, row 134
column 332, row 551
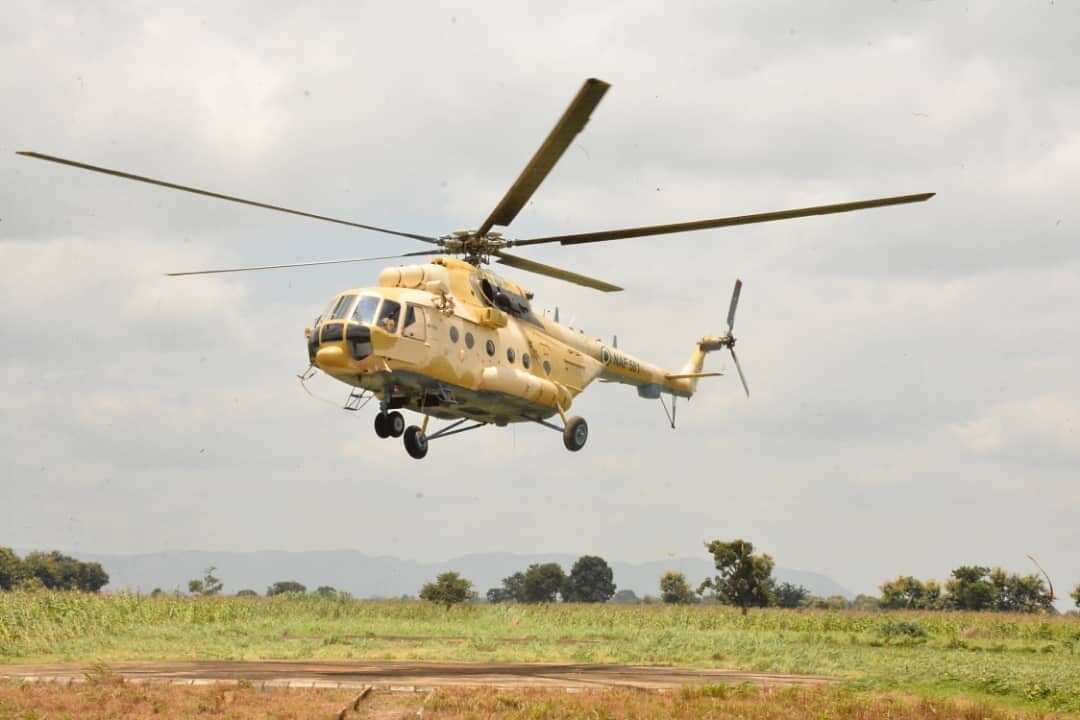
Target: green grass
column 1030, row 661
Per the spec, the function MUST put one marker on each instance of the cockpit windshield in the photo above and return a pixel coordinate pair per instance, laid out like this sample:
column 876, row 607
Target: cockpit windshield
column 365, row 310
column 344, row 304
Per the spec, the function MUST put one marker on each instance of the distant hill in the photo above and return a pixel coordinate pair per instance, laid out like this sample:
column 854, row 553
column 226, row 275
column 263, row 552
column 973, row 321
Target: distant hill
column 383, row 576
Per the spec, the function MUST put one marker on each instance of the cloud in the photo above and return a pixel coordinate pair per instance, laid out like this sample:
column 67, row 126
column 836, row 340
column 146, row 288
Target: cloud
column 910, row 367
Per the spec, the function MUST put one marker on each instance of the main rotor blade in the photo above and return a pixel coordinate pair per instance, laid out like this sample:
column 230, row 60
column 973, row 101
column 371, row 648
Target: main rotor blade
column 558, row 140
column 739, row 368
column 734, row 305
column 724, row 222
column 303, row 264
column 541, row 269
column 208, row 193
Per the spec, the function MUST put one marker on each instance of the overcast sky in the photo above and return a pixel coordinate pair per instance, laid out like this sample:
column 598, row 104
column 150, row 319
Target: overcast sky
column 913, row 369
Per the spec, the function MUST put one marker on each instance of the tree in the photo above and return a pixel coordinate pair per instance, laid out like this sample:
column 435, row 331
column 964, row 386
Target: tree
column 326, row 591
column 1076, row 595
column 590, row 581
column 908, row 593
column 788, row 595
column 11, row 569
column 744, row 578
column 285, row 586
column 57, row 571
column 91, row 577
column 674, row 589
column 208, row 586
column 512, row 590
column 448, row 589
column 625, row 597
column 969, row 588
column 247, row 593
column 1019, row 593
column 157, row 592
column 542, row 583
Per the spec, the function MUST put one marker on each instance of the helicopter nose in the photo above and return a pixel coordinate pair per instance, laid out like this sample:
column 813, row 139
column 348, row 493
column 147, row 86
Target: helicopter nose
column 330, row 357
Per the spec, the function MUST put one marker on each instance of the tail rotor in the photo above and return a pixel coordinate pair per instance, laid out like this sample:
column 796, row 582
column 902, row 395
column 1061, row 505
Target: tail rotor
column 712, row 343
column 729, row 339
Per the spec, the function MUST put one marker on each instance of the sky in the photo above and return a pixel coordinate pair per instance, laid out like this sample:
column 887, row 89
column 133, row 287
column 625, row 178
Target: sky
column 914, row 395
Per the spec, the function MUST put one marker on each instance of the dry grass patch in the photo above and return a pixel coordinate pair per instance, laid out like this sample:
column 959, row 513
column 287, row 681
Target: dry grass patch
column 723, row 701
column 108, row 697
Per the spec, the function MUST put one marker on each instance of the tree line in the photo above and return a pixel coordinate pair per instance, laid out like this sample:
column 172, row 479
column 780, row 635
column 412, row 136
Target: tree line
column 210, row 585
column 743, row 579
column 50, row 571
column 590, row 580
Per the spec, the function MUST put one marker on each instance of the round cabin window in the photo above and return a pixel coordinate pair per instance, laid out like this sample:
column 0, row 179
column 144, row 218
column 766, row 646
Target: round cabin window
column 469, row 342
column 490, row 347
column 525, row 360
column 453, row 334
column 510, row 355
column 547, row 367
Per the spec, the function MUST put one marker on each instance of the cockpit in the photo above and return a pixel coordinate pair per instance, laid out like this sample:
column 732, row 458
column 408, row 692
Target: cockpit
column 350, row 317
column 503, row 298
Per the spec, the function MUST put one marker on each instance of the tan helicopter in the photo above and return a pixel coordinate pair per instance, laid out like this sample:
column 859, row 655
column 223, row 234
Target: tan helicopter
column 454, row 341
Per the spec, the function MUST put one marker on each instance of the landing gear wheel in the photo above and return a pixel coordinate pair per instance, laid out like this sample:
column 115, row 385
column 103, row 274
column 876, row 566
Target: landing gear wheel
column 395, row 422
column 575, row 433
column 382, row 425
column 415, row 442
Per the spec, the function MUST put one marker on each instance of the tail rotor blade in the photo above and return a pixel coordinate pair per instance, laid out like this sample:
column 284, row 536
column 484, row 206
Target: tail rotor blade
column 738, row 367
column 734, row 306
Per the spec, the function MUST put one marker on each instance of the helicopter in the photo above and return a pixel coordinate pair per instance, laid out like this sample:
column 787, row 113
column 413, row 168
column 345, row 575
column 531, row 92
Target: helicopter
column 451, row 340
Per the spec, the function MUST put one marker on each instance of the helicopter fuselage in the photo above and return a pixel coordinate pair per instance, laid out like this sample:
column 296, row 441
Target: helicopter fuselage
column 450, row 340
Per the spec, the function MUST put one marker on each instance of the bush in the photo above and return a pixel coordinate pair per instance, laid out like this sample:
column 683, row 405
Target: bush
column 285, row 586
column 448, row 589
column 903, row 631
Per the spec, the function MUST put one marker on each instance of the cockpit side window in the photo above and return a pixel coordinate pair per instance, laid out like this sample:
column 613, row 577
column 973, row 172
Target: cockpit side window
column 365, row 309
column 415, row 323
column 343, row 306
column 389, row 316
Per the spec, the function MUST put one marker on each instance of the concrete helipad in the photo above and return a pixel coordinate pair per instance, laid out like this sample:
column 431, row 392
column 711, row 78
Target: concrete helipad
column 404, row 676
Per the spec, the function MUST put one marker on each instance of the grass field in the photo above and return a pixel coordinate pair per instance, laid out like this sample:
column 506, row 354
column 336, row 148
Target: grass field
column 1019, row 661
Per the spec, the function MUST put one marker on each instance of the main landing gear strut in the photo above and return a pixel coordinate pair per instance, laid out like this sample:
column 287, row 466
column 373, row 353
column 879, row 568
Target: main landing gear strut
column 417, row 439
column 575, row 431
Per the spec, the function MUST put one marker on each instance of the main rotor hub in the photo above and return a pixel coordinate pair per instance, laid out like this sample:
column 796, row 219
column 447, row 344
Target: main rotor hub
column 475, row 248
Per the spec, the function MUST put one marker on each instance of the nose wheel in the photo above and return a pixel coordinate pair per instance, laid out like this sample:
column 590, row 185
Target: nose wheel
column 391, row 424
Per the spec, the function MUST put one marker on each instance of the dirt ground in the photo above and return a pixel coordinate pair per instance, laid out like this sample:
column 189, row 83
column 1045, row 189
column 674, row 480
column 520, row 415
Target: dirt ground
column 106, row 696
column 405, row 675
